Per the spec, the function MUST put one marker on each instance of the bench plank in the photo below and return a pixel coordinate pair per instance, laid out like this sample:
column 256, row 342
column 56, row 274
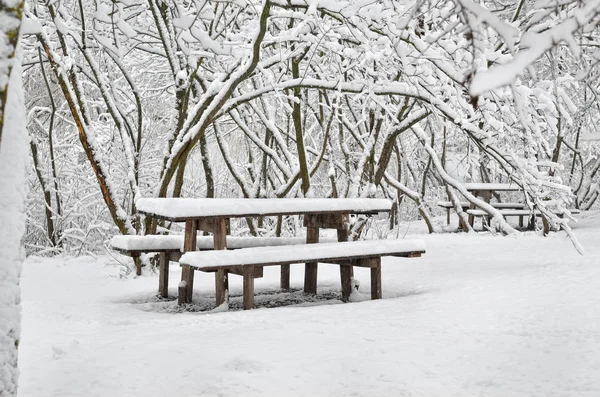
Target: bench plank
column 323, row 252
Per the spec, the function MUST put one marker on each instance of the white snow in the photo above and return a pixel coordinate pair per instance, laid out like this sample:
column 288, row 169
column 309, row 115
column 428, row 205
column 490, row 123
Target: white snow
column 478, row 315
column 178, row 208
column 175, row 242
column 14, row 162
column 300, row 253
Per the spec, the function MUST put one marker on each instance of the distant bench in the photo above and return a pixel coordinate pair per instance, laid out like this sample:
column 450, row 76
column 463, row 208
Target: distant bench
column 249, row 262
column 170, row 248
column 505, row 209
column 465, row 205
column 514, row 212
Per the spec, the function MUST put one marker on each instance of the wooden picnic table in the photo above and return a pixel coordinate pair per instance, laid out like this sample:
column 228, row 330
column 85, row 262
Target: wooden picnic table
column 213, row 215
column 487, row 190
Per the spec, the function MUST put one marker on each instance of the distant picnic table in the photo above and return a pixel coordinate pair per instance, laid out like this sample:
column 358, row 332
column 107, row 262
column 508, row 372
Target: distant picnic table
column 213, row 215
column 487, row 191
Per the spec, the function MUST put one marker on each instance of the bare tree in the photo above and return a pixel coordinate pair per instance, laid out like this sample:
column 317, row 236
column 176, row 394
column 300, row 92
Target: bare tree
column 13, row 161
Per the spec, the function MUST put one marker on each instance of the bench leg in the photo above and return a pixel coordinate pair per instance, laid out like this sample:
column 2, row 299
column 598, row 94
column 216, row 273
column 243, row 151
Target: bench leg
column 346, row 272
column 448, row 216
column 520, row 220
column 285, row 277
column 248, row 287
column 311, row 268
column 346, row 278
column 221, row 285
column 186, row 287
column 375, row 278
column 531, row 225
column 163, row 274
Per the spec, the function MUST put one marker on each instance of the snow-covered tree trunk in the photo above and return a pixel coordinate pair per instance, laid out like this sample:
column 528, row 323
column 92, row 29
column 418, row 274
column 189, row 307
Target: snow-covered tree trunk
column 13, row 183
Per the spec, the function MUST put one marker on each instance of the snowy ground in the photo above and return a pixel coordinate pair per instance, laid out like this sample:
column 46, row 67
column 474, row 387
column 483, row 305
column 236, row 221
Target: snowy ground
column 478, row 315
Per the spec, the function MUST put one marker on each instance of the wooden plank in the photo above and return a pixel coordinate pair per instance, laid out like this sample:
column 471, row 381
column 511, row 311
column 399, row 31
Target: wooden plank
column 186, row 287
column 206, row 224
column 248, row 288
column 220, row 243
column 375, row 277
column 252, row 214
column 191, row 230
column 239, row 271
column 335, row 261
column 163, row 274
column 326, row 220
column 220, row 233
column 311, row 268
column 174, row 256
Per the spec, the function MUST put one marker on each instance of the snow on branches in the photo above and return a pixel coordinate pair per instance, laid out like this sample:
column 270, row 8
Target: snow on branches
column 323, row 98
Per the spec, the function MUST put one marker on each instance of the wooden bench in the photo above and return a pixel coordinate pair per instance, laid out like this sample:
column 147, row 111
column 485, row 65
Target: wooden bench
column 249, row 262
column 170, row 247
column 466, row 205
column 521, row 213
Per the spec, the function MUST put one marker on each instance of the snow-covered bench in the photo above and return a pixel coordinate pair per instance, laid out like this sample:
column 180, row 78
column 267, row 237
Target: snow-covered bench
column 466, row 205
column 249, row 262
column 521, row 213
column 170, row 248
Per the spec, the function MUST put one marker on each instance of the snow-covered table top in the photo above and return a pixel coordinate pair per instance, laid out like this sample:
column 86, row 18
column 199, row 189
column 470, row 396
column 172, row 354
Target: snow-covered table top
column 300, row 253
column 181, row 209
column 492, row 187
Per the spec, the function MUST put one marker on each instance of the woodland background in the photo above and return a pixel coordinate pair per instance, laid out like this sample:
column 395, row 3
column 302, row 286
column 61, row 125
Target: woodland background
column 398, row 99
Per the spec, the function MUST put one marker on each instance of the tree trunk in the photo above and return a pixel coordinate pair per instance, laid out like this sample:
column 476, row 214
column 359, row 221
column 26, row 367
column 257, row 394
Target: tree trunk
column 13, row 185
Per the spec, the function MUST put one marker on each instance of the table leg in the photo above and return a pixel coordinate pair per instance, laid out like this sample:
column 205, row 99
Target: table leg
column 163, row 274
column 346, row 281
column 285, row 277
column 311, row 269
column 248, row 298
column 187, row 273
column 346, row 272
column 191, row 231
column 472, row 207
column 375, row 278
column 186, row 287
column 220, row 243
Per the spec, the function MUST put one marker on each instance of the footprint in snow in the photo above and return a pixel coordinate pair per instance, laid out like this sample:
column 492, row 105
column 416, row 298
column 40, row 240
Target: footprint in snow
column 241, row 364
column 58, row 352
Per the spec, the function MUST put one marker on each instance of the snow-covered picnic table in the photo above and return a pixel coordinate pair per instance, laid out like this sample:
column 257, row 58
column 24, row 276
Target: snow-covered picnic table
column 486, row 191
column 213, row 214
